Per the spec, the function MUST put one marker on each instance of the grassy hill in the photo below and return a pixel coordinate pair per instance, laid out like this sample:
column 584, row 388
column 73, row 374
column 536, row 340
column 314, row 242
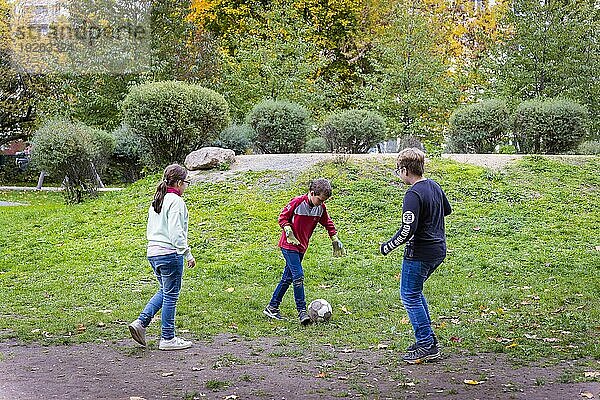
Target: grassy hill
column 522, row 275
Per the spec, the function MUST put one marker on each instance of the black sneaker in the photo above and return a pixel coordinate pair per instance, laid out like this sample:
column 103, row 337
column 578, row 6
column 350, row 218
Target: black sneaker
column 272, row 312
column 421, row 354
column 303, row 317
column 414, row 346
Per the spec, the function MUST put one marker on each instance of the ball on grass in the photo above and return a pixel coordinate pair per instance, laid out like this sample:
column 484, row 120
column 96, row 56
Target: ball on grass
column 319, row 310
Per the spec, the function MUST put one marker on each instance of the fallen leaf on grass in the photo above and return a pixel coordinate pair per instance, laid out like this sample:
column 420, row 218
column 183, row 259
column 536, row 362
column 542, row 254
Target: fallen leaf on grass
column 405, row 321
column 455, row 339
column 345, row 310
column 230, row 290
column 321, row 375
column 472, row 382
column 500, row 339
column 531, row 336
column 592, row 374
column 81, row 328
column 586, row 395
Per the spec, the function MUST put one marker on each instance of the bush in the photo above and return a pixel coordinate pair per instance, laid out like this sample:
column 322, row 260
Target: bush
column 549, row 126
column 589, row 147
column 71, row 149
column 129, row 156
column 316, row 145
column 479, row 127
column 174, row 118
column 280, row 126
column 353, row 131
column 409, row 141
column 237, row 138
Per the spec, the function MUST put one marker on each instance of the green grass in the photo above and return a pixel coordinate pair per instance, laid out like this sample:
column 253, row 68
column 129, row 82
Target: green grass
column 522, row 275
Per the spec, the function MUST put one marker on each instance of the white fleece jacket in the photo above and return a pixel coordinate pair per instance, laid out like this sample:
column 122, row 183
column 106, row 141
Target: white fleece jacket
column 169, row 229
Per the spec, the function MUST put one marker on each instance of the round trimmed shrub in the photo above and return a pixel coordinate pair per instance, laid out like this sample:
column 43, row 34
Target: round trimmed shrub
column 237, row 138
column 316, row 145
column 129, row 156
column 479, row 127
column 353, row 131
column 174, row 118
column 590, row 147
column 280, row 126
column 74, row 151
column 550, row 126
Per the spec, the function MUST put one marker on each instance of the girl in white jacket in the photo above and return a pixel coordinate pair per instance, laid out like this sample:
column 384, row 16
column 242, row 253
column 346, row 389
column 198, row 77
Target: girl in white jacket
column 167, row 233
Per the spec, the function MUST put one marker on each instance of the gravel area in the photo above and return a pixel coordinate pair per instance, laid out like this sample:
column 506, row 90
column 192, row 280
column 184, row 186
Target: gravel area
column 296, row 163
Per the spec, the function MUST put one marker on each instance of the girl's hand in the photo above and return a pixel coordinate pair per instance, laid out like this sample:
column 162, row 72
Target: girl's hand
column 191, row 263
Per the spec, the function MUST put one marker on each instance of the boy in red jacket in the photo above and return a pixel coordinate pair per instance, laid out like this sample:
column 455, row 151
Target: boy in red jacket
column 298, row 221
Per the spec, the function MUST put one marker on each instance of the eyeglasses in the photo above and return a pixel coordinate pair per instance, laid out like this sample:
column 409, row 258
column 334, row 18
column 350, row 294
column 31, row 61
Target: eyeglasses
column 397, row 171
column 186, row 181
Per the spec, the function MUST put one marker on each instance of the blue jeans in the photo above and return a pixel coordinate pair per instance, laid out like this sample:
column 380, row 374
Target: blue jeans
column 169, row 271
column 414, row 274
column 292, row 274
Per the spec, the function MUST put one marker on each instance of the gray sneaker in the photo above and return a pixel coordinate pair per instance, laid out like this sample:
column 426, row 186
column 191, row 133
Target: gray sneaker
column 138, row 332
column 303, row 317
column 174, row 344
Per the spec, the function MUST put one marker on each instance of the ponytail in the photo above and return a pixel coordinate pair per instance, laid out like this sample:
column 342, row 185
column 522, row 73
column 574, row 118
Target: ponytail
column 173, row 174
column 159, row 196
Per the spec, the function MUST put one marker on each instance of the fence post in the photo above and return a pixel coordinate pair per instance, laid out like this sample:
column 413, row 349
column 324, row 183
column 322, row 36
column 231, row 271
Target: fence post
column 40, row 180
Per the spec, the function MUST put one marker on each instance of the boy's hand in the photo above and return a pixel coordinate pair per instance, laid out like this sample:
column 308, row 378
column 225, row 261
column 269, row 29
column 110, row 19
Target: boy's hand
column 191, row 263
column 289, row 235
column 383, row 249
column 338, row 247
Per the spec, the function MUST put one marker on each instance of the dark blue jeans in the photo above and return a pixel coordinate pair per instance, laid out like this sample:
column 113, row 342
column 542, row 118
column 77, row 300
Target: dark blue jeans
column 169, row 272
column 414, row 275
column 292, row 274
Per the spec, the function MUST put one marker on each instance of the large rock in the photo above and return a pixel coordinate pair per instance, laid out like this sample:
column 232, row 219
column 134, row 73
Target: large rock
column 209, row 157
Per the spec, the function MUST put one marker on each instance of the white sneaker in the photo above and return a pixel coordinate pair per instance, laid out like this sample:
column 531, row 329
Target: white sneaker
column 138, row 332
column 174, row 344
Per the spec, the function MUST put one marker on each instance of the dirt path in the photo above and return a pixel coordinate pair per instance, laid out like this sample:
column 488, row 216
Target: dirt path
column 270, row 368
column 296, row 163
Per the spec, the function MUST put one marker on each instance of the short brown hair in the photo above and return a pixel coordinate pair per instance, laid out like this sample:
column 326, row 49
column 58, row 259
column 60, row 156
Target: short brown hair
column 320, row 186
column 413, row 160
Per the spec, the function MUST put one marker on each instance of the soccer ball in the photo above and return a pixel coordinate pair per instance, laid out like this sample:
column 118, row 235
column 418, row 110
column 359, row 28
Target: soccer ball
column 319, row 310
